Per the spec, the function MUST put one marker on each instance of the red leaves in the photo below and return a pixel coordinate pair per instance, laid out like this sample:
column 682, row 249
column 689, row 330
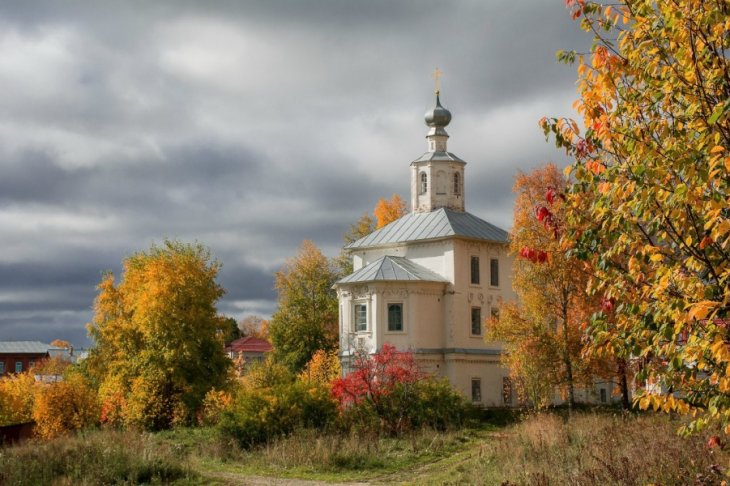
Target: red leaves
column 534, row 256
column 706, row 241
column 376, row 376
column 608, row 303
column 715, row 441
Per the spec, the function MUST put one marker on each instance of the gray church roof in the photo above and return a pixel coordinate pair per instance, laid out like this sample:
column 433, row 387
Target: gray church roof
column 427, row 226
column 392, row 268
column 438, row 155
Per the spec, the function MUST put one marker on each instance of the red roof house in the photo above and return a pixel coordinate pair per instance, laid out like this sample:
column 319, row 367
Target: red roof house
column 250, row 348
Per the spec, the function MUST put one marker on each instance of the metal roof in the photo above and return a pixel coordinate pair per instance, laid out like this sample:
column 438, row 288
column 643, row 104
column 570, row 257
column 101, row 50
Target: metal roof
column 392, row 268
column 427, row 226
column 250, row 344
column 438, row 155
column 22, row 347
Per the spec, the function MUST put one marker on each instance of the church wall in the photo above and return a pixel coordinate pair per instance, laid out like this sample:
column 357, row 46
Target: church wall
column 483, row 295
column 436, row 256
column 462, row 369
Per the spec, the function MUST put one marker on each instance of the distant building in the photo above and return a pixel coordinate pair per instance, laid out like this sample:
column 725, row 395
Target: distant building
column 20, row 356
column 249, row 348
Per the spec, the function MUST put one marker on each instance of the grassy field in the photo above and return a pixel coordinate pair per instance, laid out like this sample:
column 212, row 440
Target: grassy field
column 588, row 449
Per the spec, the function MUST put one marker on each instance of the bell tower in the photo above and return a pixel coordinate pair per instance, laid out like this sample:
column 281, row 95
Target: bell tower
column 437, row 177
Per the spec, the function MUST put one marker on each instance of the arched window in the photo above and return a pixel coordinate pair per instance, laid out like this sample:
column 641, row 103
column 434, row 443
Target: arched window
column 457, row 184
column 424, row 183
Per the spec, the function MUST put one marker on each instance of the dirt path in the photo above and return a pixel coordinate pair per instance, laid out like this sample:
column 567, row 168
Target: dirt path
column 236, row 479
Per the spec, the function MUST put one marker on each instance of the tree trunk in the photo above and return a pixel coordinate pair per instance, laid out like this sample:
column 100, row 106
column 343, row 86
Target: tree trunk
column 623, row 384
column 566, row 359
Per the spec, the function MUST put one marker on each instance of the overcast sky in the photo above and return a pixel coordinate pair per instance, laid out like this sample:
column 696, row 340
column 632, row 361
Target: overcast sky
column 248, row 126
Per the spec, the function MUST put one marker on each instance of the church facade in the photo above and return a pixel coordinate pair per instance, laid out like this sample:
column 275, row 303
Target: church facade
column 428, row 281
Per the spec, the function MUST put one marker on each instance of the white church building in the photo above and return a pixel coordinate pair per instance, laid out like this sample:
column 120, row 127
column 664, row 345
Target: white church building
column 428, row 281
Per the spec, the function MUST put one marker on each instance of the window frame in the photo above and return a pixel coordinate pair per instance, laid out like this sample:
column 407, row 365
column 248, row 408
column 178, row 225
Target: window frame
column 507, row 390
column 423, row 183
column 402, row 317
column 476, row 397
column 474, row 271
column 18, row 366
column 604, row 395
column 493, row 271
column 356, row 317
column 2, row 367
column 457, row 184
column 478, row 323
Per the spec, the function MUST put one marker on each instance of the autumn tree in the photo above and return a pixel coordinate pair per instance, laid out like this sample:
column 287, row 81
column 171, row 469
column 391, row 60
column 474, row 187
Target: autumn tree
column 158, row 347
column 543, row 329
column 17, row 398
column 233, row 331
column 388, row 211
column 323, row 368
column 255, row 326
column 306, row 318
column 360, row 229
column 649, row 208
column 60, row 344
column 65, row 406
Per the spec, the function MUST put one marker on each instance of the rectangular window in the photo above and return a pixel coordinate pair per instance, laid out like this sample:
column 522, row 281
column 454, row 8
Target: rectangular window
column 361, row 317
column 395, row 317
column 31, row 364
column 2, row 367
column 18, row 366
column 475, row 270
column 476, row 390
column 604, row 398
column 507, row 390
column 495, row 313
column 494, row 272
column 476, row 321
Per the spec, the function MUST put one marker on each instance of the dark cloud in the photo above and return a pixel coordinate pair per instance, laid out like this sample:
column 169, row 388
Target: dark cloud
column 246, row 126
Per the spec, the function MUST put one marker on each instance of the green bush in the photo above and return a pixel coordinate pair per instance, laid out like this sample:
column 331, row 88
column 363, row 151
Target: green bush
column 426, row 403
column 261, row 414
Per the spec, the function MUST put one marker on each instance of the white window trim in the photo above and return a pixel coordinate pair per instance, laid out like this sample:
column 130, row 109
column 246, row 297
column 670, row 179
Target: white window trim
column 368, row 318
column 402, row 302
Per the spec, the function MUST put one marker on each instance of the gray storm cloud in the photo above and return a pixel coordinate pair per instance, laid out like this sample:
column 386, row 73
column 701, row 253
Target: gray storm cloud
column 247, row 126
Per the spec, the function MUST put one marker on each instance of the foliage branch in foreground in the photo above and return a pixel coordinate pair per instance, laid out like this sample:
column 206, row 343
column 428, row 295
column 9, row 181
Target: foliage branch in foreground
column 649, row 209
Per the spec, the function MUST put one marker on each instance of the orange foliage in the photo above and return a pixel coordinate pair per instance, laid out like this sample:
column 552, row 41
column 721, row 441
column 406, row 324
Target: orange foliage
column 17, row 396
column 388, row 211
column 65, row 406
column 323, row 368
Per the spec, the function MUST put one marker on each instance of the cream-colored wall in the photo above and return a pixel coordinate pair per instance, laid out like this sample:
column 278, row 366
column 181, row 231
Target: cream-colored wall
column 422, row 314
column 461, row 369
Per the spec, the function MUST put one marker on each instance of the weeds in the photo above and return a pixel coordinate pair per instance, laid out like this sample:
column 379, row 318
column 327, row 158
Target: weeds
column 94, row 457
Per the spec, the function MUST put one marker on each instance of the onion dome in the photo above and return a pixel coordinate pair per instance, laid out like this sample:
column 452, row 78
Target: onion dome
column 438, row 116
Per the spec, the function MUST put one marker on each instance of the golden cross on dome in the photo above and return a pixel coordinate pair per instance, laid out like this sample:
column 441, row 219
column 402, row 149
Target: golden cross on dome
column 436, row 76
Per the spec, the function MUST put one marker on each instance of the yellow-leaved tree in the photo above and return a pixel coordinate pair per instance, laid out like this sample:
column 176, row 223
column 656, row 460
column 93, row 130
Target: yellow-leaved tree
column 306, row 318
column 158, row 337
column 388, row 211
column 649, row 209
column 65, row 406
column 543, row 328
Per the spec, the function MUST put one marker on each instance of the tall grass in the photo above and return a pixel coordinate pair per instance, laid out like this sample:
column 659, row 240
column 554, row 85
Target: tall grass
column 94, row 457
column 592, row 449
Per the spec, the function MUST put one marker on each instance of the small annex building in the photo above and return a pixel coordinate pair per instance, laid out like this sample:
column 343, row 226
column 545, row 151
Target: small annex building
column 20, row 356
column 249, row 349
column 428, row 281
